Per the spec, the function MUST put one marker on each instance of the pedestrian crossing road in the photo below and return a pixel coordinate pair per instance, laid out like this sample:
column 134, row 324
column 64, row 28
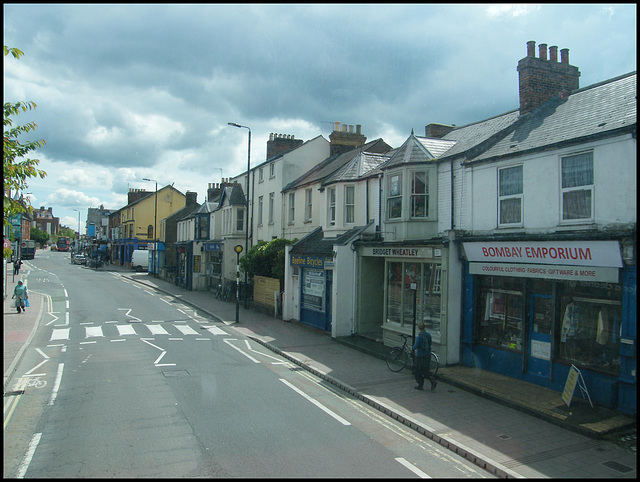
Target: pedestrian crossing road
column 63, row 333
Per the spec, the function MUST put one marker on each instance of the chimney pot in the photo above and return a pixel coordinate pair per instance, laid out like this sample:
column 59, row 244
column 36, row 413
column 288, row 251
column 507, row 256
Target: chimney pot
column 358, row 129
column 543, row 51
column 344, row 128
column 531, row 48
column 336, row 126
column 351, row 129
column 564, row 56
column 553, row 53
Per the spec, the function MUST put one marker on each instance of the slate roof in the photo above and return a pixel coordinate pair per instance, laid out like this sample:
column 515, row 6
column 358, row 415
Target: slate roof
column 362, row 165
column 600, row 110
column 418, row 150
column 331, row 165
column 315, row 243
column 235, row 195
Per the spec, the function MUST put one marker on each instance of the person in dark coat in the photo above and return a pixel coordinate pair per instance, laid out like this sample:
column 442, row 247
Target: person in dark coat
column 422, row 347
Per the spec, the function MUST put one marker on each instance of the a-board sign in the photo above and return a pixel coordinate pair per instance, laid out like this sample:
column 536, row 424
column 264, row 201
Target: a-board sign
column 570, row 385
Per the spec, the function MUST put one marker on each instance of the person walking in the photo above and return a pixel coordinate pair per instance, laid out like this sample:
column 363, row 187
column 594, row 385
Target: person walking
column 422, row 347
column 21, row 295
column 16, row 266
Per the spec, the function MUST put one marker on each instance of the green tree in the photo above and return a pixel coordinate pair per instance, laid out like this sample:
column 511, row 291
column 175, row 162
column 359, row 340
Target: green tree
column 266, row 259
column 18, row 169
column 39, row 236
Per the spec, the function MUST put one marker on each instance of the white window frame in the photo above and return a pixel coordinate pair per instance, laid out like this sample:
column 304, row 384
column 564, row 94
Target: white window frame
column 260, row 175
column 349, row 208
column 260, row 204
column 292, row 207
column 586, row 187
column 505, row 196
column 331, row 200
column 272, row 200
column 308, row 205
column 240, row 220
column 394, row 195
column 272, row 170
column 424, row 195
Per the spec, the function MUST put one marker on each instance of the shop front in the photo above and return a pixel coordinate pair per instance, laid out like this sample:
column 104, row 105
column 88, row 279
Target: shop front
column 212, row 253
column 534, row 309
column 400, row 287
column 316, row 283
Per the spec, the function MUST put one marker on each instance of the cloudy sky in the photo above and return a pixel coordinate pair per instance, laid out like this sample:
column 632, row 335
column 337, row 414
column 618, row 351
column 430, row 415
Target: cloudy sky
column 126, row 92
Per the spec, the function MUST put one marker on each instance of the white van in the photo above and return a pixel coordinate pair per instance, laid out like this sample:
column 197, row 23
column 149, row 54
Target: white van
column 140, row 259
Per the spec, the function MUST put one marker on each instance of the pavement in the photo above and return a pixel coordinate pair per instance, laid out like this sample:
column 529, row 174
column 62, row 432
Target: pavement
column 508, row 427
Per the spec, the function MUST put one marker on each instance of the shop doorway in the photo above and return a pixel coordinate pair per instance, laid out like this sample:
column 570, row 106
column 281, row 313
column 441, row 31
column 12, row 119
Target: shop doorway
column 540, row 332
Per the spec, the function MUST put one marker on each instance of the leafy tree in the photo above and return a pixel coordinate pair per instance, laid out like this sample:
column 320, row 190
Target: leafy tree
column 39, row 236
column 18, row 169
column 266, row 259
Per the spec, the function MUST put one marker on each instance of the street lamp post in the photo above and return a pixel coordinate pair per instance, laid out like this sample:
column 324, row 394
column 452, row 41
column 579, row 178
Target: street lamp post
column 78, row 246
column 238, row 250
column 155, row 229
column 246, row 226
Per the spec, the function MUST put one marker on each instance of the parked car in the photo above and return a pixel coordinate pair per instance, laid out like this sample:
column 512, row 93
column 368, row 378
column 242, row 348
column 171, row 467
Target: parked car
column 79, row 259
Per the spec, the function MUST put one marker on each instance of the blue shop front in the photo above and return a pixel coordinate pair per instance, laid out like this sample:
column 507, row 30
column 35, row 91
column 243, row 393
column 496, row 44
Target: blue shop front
column 535, row 309
column 316, row 281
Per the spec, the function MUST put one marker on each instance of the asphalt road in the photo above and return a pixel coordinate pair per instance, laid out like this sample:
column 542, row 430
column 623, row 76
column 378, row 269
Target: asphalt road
column 121, row 381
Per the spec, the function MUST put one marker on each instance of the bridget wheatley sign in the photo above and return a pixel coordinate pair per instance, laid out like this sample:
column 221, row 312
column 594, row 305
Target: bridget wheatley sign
column 566, row 253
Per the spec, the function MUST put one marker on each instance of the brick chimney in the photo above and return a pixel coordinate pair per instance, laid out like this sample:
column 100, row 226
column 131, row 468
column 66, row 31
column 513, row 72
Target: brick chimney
column 436, row 131
column 281, row 143
column 135, row 194
column 191, row 198
column 542, row 80
column 343, row 141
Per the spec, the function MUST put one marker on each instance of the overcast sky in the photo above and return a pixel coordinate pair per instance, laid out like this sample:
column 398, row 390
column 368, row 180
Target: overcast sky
column 126, row 92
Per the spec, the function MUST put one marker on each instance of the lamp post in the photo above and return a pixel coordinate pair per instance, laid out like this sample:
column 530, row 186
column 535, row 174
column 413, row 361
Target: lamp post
column 155, row 229
column 238, row 250
column 246, row 226
column 78, row 246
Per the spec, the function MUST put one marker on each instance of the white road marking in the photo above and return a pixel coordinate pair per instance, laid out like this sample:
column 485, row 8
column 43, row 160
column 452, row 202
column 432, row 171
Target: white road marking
column 35, row 440
column 412, row 468
column 227, row 340
column 186, row 330
column 60, row 334
column 125, row 330
column 315, row 402
column 94, row 331
column 215, row 330
column 37, row 366
column 56, row 384
column 41, row 352
column 157, row 330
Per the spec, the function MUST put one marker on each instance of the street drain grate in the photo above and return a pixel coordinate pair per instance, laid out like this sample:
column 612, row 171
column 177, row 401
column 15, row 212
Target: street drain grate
column 504, row 437
column 616, row 466
column 175, row 373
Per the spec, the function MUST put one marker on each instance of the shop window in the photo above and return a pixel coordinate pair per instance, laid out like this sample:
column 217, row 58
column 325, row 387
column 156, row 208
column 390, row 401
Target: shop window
column 500, row 318
column 510, row 189
column 589, row 325
column 577, row 187
column 313, row 289
column 394, row 200
column 414, row 283
column 419, row 195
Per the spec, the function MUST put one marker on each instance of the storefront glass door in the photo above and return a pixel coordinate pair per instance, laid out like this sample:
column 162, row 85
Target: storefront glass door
column 540, row 331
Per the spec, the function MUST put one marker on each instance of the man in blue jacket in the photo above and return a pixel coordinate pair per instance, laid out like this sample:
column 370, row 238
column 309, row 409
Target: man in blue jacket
column 422, row 347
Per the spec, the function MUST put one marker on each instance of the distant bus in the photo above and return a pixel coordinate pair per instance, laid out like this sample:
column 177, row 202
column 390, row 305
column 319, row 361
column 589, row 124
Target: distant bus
column 63, row 243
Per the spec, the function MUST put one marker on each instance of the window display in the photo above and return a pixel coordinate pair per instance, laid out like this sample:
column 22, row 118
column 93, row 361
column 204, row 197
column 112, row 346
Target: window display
column 501, row 312
column 414, row 283
column 589, row 327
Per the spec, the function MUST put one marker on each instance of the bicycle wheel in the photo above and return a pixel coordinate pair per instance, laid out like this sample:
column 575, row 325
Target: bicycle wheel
column 397, row 359
column 435, row 364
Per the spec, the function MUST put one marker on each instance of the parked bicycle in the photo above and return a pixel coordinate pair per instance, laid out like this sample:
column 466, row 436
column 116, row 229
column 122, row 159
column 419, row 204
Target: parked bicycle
column 402, row 356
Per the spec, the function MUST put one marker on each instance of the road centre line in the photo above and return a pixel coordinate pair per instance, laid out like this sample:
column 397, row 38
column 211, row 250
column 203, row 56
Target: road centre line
column 412, row 468
column 315, row 402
